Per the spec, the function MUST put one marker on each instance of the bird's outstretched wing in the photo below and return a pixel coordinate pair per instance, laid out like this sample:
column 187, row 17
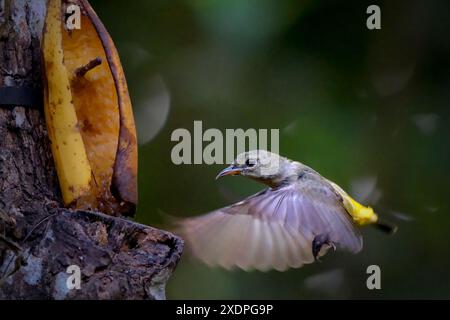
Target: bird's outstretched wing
column 273, row 229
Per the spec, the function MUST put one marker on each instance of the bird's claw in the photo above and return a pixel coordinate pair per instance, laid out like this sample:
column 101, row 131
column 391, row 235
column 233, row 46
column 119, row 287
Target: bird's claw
column 332, row 245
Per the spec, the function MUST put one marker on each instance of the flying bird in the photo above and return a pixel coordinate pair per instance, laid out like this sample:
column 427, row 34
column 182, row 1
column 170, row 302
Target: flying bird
column 291, row 223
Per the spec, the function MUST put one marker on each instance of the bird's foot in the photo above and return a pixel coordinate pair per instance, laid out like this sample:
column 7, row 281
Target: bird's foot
column 318, row 242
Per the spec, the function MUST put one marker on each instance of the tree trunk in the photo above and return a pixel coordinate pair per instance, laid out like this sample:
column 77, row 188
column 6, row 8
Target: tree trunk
column 39, row 239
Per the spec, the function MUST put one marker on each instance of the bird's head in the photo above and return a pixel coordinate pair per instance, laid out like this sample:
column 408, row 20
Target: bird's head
column 260, row 165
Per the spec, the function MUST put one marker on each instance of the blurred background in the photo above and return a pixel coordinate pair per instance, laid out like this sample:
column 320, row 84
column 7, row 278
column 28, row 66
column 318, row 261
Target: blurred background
column 367, row 109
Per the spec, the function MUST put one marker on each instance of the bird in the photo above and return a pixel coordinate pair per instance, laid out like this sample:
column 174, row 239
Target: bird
column 293, row 222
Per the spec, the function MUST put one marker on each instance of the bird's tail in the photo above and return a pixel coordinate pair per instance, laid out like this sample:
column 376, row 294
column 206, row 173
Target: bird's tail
column 386, row 227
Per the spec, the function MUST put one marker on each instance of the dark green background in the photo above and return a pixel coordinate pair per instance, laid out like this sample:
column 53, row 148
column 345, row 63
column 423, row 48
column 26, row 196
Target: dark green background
column 350, row 102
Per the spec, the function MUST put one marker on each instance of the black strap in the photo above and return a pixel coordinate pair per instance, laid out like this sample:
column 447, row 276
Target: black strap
column 21, row 96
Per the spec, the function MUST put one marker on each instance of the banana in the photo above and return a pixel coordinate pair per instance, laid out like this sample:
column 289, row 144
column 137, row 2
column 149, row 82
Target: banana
column 73, row 168
column 88, row 113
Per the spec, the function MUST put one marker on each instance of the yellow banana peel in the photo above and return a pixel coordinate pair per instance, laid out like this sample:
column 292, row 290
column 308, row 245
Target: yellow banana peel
column 74, row 171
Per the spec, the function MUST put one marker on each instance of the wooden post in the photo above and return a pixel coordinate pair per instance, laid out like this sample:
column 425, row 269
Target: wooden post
column 39, row 239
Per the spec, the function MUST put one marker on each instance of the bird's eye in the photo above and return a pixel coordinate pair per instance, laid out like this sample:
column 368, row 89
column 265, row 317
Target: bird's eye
column 250, row 162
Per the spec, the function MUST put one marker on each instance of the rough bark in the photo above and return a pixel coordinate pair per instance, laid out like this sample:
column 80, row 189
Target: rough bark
column 39, row 240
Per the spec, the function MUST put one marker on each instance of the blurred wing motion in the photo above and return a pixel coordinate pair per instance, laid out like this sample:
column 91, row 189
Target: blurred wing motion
column 272, row 229
column 88, row 113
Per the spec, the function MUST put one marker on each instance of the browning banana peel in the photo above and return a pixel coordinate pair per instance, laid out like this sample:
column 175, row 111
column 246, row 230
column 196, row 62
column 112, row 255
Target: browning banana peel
column 89, row 114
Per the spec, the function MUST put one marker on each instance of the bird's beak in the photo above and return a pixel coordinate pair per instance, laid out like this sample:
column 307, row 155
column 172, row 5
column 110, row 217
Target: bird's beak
column 230, row 171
